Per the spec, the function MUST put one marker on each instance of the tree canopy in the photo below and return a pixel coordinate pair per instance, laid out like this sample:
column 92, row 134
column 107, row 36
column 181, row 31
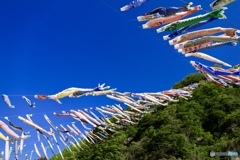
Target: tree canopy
column 188, row 129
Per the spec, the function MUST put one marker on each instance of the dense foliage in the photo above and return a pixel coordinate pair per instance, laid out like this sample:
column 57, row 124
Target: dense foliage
column 188, row 129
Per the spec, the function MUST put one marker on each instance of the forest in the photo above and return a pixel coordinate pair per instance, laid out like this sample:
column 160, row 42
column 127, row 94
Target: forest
column 189, row 129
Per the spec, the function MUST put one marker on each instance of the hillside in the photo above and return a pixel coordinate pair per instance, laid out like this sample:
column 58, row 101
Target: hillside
column 188, row 129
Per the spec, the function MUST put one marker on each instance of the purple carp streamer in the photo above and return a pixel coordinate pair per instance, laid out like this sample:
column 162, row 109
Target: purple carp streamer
column 218, row 75
column 133, row 4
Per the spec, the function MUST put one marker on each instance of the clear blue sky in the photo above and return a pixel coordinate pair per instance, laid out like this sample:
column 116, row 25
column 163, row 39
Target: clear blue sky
column 47, row 46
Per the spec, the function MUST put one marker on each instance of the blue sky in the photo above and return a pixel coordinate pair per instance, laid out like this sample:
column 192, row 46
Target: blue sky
column 48, row 46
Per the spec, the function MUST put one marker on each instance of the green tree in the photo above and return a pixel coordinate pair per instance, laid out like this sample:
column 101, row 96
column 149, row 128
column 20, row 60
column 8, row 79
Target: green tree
column 186, row 130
